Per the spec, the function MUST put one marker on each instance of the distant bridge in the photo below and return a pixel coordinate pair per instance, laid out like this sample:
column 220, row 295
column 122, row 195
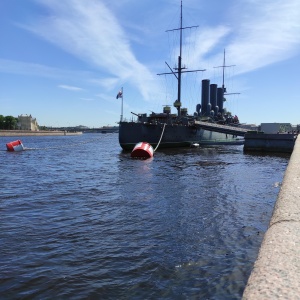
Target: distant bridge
column 221, row 128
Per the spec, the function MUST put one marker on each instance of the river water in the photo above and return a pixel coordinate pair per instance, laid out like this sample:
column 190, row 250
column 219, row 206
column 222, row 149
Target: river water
column 80, row 219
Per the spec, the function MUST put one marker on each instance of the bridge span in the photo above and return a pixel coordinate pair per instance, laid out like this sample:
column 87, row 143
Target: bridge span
column 221, row 128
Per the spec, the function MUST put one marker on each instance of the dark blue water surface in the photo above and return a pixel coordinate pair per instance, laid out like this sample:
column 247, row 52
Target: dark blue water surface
column 80, row 219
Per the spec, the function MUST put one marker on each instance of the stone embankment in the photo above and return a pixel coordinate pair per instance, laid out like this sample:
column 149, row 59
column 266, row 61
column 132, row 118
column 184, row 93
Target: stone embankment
column 18, row 133
column 276, row 272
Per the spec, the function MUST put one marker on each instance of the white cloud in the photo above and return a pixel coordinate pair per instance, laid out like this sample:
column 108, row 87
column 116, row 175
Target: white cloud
column 267, row 32
column 70, row 88
column 257, row 33
column 108, row 83
column 262, row 32
column 207, row 39
column 87, row 99
column 92, row 33
column 33, row 69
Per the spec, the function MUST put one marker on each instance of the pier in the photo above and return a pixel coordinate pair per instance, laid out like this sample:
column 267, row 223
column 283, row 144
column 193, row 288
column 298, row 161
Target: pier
column 264, row 142
column 276, row 271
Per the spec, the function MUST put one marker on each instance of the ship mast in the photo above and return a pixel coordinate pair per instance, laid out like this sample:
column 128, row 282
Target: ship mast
column 179, row 64
column 223, row 76
column 223, row 86
column 179, row 70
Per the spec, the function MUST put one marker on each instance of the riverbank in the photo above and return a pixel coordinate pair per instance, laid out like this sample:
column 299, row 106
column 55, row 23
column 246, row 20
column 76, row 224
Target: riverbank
column 36, row 133
column 276, row 271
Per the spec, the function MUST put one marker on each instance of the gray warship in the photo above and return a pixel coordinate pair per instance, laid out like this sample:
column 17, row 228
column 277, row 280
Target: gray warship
column 168, row 130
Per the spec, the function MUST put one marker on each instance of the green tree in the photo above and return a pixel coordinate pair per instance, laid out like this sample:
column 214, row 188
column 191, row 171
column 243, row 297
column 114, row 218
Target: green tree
column 10, row 122
column 2, row 122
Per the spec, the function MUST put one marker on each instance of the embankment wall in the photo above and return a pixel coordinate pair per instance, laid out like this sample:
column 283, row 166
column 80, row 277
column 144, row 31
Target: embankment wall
column 276, row 272
column 35, row 133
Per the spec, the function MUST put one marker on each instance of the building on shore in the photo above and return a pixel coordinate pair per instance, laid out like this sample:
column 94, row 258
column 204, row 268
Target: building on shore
column 27, row 122
column 273, row 128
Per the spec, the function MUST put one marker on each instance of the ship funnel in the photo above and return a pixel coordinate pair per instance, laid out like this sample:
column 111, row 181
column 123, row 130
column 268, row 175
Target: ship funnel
column 213, row 96
column 220, row 99
column 205, row 97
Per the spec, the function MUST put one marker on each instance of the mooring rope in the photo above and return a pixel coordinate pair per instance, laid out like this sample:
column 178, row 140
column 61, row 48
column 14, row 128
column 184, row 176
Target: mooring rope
column 160, row 137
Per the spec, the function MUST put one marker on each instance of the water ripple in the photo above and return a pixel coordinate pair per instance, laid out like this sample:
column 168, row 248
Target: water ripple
column 89, row 222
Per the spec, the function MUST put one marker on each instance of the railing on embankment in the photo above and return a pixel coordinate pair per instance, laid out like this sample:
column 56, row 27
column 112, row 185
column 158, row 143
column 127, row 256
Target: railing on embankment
column 276, row 272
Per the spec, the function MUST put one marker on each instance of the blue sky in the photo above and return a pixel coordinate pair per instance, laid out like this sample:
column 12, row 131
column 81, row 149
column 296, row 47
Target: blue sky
column 64, row 62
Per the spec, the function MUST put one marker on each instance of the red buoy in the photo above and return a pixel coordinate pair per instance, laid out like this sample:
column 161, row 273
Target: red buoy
column 15, row 146
column 142, row 150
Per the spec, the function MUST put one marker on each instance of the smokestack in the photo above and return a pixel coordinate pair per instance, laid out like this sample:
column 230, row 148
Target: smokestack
column 205, row 97
column 213, row 95
column 220, row 99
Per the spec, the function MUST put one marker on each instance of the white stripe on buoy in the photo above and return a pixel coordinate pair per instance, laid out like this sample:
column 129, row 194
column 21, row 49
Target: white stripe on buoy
column 142, row 150
column 15, row 146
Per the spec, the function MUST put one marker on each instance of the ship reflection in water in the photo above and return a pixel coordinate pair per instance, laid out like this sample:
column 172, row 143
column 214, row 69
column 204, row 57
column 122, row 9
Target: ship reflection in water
column 92, row 223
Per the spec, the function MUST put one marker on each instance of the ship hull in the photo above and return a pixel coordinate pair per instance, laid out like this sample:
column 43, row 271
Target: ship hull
column 131, row 133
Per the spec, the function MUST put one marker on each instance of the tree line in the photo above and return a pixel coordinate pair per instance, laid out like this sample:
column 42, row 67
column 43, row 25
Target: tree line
column 8, row 122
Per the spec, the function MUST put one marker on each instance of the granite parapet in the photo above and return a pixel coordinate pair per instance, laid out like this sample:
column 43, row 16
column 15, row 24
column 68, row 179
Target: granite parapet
column 276, row 272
